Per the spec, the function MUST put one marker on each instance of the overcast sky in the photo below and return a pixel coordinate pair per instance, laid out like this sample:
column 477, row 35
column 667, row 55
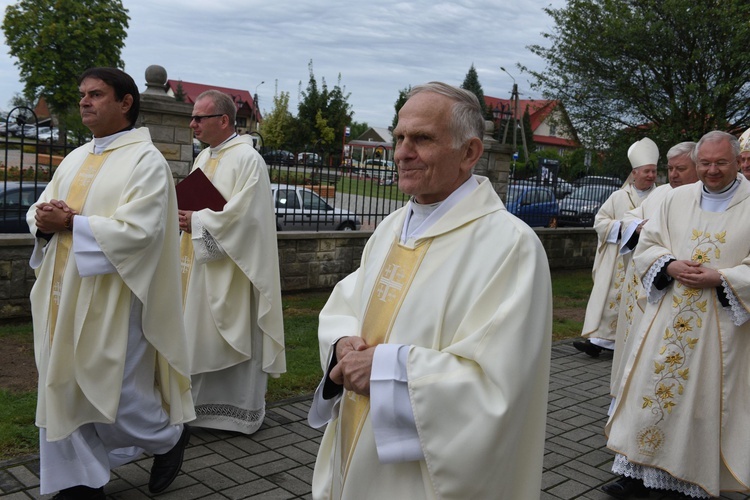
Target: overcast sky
column 378, row 48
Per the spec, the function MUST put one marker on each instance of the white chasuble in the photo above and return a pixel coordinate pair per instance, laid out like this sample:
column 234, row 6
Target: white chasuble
column 232, row 299
column 633, row 299
column 609, row 266
column 683, row 398
column 477, row 320
column 132, row 212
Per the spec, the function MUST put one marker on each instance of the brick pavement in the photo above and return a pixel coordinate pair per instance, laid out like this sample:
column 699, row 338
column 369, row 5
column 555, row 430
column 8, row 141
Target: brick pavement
column 276, row 463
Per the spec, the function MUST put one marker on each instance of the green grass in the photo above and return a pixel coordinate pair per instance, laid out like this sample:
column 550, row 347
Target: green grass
column 367, row 187
column 18, row 435
column 301, row 340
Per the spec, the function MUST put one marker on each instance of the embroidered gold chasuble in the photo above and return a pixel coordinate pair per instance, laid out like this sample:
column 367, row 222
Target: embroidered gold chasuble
column 683, row 398
column 81, row 324
column 609, row 266
column 633, row 299
column 475, row 309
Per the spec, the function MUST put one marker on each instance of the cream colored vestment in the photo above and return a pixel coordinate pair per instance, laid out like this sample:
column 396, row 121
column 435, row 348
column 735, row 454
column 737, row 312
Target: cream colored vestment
column 609, row 266
column 132, row 212
column 633, row 298
column 233, row 308
column 477, row 315
column 683, row 397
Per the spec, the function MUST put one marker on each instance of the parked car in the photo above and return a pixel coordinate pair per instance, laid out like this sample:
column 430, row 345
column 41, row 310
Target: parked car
column 589, row 180
column 279, row 157
column 561, row 187
column 383, row 170
column 309, row 159
column 24, row 130
column 580, row 207
column 535, row 205
column 299, row 208
column 15, row 201
column 47, row 134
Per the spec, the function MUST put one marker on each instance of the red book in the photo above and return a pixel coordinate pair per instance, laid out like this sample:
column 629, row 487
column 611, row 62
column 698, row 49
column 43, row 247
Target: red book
column 195, row 192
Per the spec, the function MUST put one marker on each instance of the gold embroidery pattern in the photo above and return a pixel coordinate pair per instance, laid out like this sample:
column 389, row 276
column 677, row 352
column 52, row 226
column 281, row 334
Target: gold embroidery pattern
column 650, row 440
column 633, row 291
column 671, row 366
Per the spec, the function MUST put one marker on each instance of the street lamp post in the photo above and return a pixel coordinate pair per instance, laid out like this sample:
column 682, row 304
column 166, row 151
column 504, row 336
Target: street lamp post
column 255, row 106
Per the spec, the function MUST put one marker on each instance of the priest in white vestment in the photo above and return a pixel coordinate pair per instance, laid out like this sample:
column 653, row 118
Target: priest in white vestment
column 441, row 339
column 681, row 171
column 600, row 322
column 230, row 277
column 108, row 334
column 680, row 416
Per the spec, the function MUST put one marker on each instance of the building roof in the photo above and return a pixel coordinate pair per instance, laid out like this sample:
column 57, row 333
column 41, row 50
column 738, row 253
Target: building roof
column 376, row 134
column 539, row 110
column 242, row 98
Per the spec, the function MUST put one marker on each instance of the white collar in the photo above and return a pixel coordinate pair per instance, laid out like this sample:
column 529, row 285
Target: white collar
column 432, row 213
column 102, row 143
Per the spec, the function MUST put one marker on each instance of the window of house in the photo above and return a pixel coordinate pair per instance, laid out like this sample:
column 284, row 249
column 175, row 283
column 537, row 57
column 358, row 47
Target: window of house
column 553, row 130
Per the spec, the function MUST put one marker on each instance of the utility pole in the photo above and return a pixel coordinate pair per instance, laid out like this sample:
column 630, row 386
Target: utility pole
column 516, row 120
column 256, row 110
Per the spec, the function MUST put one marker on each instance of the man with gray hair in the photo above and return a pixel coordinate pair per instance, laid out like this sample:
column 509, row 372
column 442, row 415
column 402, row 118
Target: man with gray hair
column 681, row 172
column 230, row 277
column 679, row 418
column 436, row 350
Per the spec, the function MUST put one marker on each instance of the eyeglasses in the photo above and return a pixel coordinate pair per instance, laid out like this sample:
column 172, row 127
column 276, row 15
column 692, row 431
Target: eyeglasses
column 198, row 118
column 717, row 164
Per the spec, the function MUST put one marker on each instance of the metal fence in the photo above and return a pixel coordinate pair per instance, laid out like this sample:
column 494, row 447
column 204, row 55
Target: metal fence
column 312, row 192
column 30, row 153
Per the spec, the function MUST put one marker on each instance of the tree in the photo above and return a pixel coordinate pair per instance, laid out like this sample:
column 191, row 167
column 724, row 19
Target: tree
column 319, row 110
column 471, row 83
column 400, row 101
column 669, row 69
column 54, row 41
column 179, row 93
column 277, row 123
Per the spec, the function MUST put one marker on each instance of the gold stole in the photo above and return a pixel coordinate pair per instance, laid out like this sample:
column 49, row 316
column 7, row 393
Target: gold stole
column 186, row 243
column 388, row 294
column 79, row 190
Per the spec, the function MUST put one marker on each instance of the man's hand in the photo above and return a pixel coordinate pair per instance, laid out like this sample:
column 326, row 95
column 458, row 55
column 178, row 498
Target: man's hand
column 693, row 274
column 354, row 365
column 185, row 218
column 640, row 226
column 50, row 216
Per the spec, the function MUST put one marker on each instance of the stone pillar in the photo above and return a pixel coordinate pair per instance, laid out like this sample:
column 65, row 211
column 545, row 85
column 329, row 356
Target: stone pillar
column 495, row 162
column 168, row 121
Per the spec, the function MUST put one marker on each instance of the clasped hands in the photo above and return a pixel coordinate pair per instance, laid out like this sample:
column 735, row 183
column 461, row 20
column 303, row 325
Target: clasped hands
column 50, row 216
column 693, row 274
column 354, row 365
column 185, row 218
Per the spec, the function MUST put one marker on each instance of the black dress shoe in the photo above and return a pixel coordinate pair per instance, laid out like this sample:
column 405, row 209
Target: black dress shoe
column 167, row 466
column 80, row 493
column 626, row 487
column 592, row 350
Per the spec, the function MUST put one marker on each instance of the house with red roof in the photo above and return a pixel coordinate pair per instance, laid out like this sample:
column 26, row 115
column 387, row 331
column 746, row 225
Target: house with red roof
column 248, row 114
column 550, row 124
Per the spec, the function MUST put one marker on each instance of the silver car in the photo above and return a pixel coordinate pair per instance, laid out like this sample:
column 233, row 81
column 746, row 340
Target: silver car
column 299, row 208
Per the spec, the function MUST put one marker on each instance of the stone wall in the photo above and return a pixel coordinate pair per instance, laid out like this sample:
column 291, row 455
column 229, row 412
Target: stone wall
column 308, row 261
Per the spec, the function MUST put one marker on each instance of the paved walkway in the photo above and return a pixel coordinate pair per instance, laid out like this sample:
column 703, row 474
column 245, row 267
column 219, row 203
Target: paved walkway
column 277, row 462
